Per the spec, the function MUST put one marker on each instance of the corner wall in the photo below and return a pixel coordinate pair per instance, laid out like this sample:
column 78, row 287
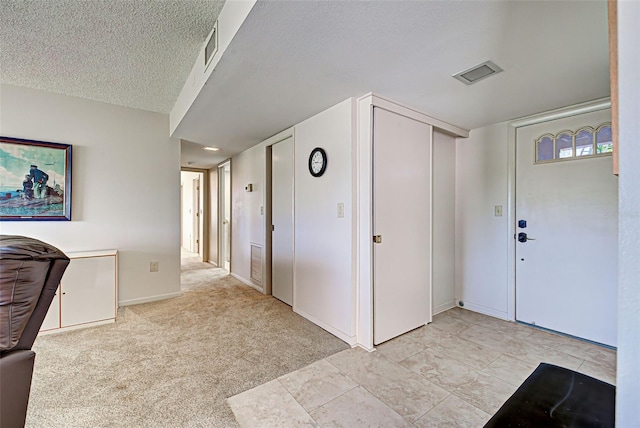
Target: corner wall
column 247, row 219
column 126, row 184
column 628, row 376
column 482, row 239
column 324, row 246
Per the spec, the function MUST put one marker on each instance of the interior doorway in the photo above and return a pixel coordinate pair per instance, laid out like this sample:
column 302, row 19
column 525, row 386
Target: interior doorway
column 224, row 215
column 194, row 209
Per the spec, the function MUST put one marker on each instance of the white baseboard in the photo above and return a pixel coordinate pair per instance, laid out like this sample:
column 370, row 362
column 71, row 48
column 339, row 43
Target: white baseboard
column 76, row 327
column 350, row 340
column 486, row 311
column 149, row 299
column 247, row 282
column 357, row 345
column 444, row 307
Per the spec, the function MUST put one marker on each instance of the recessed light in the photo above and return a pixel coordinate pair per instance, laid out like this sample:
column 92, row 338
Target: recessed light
column 213, row 149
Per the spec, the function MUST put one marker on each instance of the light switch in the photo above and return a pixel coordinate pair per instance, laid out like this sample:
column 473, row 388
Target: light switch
column 340, row 210
column 498, row 210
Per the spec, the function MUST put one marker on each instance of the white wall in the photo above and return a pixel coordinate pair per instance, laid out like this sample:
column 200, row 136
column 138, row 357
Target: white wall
column 482, row 240
column 628, row 376
column 126, row 193
column 444, row 164
column 324, row 247
column 247, row 223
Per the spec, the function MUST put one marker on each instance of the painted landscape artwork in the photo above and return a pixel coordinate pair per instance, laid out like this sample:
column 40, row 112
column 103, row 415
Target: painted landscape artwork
column 35, row 180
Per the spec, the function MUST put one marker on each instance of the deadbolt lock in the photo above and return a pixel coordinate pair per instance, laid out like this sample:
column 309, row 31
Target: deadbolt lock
column 377, row 239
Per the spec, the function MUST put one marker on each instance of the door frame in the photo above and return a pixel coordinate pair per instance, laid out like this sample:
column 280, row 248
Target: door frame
column 195, row 216
column 221, row 183
column 205, row 206
column 363, row 158
column 574, row 110
column 269, row 213
column 268, row 206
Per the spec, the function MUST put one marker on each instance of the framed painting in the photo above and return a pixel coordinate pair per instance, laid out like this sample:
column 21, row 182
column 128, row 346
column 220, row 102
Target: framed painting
column 35, row 180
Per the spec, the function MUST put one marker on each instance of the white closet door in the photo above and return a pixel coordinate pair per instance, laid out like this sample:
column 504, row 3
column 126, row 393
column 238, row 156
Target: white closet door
column 282, row 219
column 402, row 217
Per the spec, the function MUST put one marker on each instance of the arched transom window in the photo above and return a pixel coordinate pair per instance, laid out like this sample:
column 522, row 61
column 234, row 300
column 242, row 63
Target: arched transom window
column 566, row 145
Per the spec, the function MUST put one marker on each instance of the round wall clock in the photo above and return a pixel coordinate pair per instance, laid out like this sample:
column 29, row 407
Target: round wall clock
column 317, row 162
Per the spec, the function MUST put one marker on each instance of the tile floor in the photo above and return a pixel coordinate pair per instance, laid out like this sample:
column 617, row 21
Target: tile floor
column 455, row 372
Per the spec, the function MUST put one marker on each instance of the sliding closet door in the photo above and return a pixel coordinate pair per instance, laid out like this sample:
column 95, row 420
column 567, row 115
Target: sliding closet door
column 402, row 224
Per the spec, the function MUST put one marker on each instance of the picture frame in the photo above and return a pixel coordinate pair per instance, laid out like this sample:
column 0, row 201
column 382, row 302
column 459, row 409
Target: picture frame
column 35, row 180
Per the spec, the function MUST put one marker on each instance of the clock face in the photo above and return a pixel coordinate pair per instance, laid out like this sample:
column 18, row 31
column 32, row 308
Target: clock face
column 317, row 162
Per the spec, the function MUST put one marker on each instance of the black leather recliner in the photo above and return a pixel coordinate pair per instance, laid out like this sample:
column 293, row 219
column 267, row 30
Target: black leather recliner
column 30, row 271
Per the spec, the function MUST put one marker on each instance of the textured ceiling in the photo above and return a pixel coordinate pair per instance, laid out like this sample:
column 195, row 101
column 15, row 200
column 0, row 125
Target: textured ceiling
column 131, row 53
column 293, row 59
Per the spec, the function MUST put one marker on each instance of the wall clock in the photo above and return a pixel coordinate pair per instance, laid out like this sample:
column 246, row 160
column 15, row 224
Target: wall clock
column 317, row 162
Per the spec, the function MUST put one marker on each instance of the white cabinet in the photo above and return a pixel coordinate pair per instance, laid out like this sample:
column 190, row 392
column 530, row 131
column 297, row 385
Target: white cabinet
column 88, row 292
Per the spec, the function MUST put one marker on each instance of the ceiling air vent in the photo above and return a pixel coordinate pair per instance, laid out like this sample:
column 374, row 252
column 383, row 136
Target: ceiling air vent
column 477, row 73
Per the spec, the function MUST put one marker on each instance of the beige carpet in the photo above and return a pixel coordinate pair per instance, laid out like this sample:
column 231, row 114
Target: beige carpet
column 172, row 363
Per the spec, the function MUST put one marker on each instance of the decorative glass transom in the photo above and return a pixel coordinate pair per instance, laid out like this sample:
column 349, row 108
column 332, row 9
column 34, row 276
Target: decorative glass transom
column 566, row 145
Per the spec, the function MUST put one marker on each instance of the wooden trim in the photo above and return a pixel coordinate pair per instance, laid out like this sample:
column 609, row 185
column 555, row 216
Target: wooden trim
column 613, row 77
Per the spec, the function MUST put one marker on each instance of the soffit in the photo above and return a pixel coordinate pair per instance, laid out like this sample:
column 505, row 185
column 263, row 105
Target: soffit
column 291, row 60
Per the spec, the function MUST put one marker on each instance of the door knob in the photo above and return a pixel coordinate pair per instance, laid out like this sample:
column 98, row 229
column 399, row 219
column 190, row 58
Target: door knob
column 522, row 237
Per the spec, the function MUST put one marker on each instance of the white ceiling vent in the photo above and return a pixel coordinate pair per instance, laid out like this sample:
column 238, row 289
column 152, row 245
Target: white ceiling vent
column 477, row 73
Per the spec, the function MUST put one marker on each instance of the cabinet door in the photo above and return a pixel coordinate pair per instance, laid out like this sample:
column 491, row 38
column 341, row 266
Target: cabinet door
column 52, row 320
column 87, row 290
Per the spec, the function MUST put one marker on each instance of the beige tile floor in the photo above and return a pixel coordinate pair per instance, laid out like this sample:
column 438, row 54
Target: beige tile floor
column 455, row 372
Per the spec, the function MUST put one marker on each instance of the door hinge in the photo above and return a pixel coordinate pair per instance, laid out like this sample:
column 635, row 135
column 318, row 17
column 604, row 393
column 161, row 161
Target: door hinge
column 377, row 239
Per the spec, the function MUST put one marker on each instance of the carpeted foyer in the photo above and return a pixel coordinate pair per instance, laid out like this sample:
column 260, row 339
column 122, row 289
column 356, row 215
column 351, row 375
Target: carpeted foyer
column 172, row 363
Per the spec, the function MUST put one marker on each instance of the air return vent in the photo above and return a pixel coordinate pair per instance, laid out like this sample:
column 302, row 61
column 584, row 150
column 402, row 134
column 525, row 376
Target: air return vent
column 211, row 46
column 477, row 73
column 256, row 263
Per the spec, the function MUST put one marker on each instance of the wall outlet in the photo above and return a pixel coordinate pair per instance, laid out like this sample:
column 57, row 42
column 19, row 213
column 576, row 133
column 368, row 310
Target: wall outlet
column 340, row 210
column 154, row 266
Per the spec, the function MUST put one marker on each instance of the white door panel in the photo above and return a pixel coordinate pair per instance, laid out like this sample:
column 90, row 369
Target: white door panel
column 402, row 216
column 566, row 279
column 86, row 290
column 282, row 219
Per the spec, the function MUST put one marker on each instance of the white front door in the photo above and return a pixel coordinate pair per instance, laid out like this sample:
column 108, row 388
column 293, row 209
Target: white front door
column 282, row 220
column 402, row 219
column 566, row 270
